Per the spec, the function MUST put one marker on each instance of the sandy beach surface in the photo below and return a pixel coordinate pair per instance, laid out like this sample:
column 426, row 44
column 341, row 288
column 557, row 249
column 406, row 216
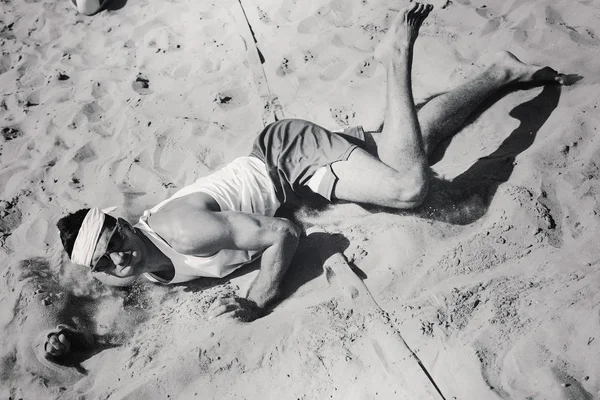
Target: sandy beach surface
column 490, row 290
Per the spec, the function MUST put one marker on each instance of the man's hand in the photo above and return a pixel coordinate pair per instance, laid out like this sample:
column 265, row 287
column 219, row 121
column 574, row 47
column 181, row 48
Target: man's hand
column 236, row 307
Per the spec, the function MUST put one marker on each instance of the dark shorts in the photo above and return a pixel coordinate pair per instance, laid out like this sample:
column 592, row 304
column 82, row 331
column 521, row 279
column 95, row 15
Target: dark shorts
column 293, row 149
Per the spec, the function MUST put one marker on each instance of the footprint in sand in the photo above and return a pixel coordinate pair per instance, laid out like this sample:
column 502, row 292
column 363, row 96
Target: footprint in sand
column 341, row 11
column 33, row 99
column 159, row 38
column 369, row 35
column 494, row 20
column 231, row 98
column 99, row 90
column 84, row 154
column 337, row 14
column 92, row 111
column 183, row 71
column 78, row 120
column 520, row 35
column 366, row 68
column 311, row 24
column 492, row 25
column 37, row 232
column 333, row 70
column 75, row 183
column 309, row 56
column 141, row 84
column 484, row 12
column 288, row 7
column 286, row 67
column 10, row 133
column 4, row 63
column 588, row 39
column 154, row 34
column 521, row 31
column 343, row 116
column 10, row 218
column 263, row 16
column 315, row 23
column 30, row 74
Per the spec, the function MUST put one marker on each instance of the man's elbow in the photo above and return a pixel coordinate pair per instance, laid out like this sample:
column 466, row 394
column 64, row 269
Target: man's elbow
column 288, row 232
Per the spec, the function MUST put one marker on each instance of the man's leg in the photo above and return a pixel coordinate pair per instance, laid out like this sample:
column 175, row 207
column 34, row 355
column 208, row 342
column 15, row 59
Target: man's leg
column 445, row 114
column 363, row 179
column 400, row 177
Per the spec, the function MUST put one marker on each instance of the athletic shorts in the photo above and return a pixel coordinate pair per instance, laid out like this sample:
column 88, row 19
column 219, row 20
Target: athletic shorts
column 293, row 149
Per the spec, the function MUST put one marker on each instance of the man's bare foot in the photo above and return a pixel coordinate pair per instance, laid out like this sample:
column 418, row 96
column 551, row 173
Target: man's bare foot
column 403, row 32
column 517, row 71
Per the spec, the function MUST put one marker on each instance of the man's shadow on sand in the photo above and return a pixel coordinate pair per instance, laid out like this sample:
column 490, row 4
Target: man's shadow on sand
column 466, row 198
column 113, row 5
column 306, row 265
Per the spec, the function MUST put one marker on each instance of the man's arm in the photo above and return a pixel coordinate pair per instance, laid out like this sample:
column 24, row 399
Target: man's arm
column 206, row 232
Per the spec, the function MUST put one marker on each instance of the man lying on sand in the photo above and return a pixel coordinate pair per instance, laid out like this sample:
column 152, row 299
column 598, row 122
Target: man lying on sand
column 224, row 220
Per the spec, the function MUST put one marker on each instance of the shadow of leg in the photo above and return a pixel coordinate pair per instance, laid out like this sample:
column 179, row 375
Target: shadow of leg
column 468, row 197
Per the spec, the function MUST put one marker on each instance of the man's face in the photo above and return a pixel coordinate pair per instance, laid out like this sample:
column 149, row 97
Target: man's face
column 119, row 252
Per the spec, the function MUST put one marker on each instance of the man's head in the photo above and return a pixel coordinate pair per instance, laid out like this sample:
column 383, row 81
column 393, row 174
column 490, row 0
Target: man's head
column 102, row 243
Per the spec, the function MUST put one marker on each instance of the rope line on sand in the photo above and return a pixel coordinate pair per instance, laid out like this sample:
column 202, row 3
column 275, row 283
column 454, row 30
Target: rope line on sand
column 273, row 99
column 277, row 108
column 411, row 352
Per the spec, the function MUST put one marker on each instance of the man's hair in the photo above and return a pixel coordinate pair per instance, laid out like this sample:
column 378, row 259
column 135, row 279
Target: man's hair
column 70, row 224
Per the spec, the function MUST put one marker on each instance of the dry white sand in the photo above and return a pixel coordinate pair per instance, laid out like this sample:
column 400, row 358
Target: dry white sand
column 493, row 284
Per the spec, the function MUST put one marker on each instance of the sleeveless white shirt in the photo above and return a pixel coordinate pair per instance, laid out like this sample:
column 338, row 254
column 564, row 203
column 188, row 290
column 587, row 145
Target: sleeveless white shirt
column 242, row 185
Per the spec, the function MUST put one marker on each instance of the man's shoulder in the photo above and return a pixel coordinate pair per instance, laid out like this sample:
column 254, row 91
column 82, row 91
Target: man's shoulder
column 180, row 210
column 185, row 223
column 185, row 205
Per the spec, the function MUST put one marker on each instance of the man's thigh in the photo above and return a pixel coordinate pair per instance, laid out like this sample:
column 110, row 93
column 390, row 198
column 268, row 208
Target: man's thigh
column 363, row 178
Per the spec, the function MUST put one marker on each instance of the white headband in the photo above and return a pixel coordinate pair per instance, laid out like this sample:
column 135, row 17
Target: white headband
column 87, row 237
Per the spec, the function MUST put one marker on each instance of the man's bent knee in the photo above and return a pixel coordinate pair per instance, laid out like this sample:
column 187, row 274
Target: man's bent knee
column 410, row 193
column 419, row 193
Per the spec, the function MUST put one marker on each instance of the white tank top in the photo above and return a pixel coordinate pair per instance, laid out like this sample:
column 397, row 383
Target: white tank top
column 242, row 185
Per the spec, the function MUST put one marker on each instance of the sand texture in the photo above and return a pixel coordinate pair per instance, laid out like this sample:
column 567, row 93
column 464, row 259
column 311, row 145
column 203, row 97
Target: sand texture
column 490, row 290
